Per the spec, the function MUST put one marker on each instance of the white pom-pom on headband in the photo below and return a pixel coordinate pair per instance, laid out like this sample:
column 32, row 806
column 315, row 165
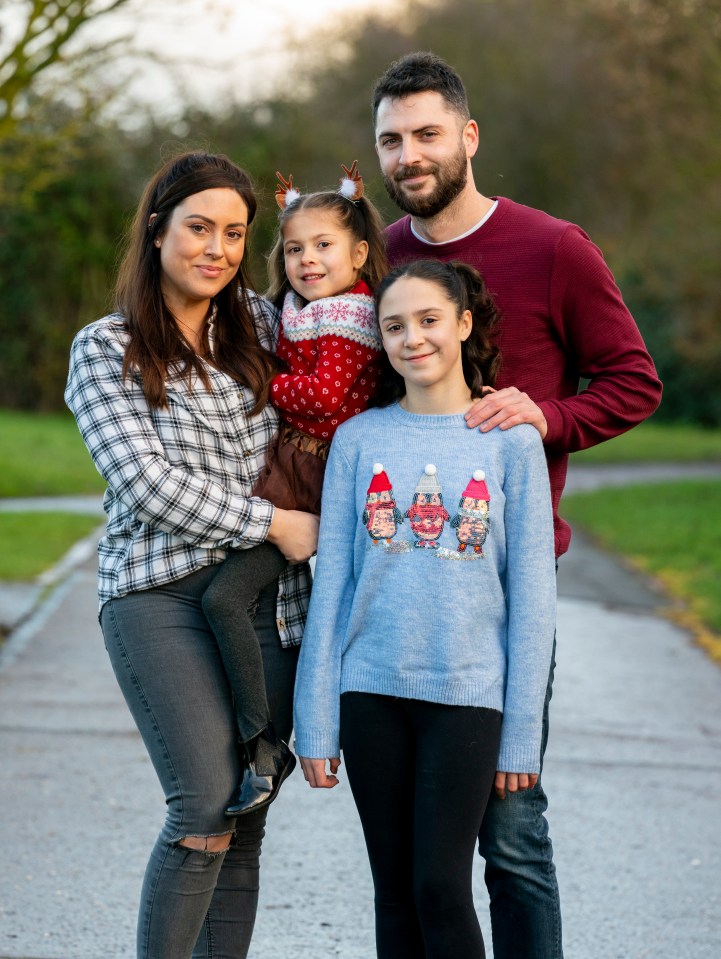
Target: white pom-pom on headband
column 285, row 192
column 351, row 187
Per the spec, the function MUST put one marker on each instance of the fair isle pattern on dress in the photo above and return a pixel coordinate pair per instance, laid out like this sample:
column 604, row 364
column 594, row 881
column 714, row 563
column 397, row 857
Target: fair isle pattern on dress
column 348, row 315
column 329, row 377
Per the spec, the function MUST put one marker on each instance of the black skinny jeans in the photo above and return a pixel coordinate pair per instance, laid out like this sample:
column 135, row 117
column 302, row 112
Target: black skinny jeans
column 421, row 774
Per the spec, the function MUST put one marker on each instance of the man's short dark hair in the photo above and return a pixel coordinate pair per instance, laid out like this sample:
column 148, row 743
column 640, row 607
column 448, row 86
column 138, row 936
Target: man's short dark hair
column 417, row 73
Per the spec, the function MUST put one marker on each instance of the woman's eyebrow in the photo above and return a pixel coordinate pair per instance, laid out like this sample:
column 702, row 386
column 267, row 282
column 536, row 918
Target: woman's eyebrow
column 211, row 222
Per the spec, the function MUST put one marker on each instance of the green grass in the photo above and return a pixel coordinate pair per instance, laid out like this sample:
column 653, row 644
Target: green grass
column 32, row 542
column 671, row 531
column 657, row 443
column 43, row 455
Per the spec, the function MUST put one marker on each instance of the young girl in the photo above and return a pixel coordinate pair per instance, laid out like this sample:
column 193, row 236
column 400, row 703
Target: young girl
column 328, row 255
column 429, row 665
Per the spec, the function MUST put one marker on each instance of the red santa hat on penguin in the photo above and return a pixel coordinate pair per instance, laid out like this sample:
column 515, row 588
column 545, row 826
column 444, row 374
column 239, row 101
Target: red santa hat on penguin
column 380, row 482
column 476, row 488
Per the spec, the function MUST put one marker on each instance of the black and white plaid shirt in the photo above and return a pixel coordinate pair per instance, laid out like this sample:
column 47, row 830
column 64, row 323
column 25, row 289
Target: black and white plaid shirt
column 179, row 479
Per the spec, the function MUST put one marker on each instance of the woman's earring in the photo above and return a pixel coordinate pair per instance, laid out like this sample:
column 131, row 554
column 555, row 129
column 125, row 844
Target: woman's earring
column 156, row 241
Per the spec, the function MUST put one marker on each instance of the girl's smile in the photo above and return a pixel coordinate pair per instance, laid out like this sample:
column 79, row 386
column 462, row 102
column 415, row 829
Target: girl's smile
column 418, row 357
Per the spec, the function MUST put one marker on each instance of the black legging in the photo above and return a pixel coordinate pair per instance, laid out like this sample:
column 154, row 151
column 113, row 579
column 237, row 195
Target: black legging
column 235, row 585
column 421, row 774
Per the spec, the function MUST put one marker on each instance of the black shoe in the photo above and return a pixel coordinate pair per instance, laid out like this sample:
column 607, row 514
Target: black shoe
column 260, row 789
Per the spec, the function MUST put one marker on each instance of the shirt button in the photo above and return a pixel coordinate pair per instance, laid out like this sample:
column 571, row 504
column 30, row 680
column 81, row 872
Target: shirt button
column 247, row 453
column 280, row 623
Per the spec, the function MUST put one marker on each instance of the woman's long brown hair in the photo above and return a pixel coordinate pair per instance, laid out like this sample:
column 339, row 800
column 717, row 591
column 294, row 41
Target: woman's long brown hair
column 156, row 348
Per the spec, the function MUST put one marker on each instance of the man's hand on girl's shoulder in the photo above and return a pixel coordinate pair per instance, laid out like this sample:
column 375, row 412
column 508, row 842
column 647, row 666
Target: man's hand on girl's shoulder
column 505, row 408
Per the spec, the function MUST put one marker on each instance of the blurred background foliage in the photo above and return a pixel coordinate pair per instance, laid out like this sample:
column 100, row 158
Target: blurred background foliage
column 604, row 112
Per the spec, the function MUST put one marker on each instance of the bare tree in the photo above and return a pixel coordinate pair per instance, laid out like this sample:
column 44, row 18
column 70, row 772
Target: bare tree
column 49, row 37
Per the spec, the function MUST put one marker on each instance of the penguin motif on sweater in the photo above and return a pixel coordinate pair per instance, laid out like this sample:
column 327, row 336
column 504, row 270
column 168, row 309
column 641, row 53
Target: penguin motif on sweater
column 427, row 514
column 472, row 520
column 381, row 516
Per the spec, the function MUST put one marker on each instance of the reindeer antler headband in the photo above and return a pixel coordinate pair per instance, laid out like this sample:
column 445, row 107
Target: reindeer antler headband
column 351, row 187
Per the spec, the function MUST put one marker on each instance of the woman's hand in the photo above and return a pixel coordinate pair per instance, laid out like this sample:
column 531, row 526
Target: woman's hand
column 512, row 782
column 315, row 774
column 295, row 534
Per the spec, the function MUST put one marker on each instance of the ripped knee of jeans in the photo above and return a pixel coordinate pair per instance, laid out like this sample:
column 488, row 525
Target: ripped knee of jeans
column 212, row 844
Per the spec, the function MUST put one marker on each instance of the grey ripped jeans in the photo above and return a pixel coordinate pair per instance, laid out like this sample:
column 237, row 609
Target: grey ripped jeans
column 168, row 665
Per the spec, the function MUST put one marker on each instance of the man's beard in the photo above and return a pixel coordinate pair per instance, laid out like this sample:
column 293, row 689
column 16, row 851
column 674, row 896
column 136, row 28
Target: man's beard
column 450, row 181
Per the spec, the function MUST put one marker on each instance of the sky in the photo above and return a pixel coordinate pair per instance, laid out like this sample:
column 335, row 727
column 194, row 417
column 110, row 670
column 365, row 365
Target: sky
column 244, row 41
column 217, row 45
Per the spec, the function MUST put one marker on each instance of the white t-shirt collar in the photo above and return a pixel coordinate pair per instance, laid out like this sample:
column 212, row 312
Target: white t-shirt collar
column 473, row 229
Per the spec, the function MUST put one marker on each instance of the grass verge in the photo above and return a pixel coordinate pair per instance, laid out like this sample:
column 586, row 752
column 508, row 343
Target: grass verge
column 44, row 455
column 657, row 443
column 30, row 543
column 671, row 531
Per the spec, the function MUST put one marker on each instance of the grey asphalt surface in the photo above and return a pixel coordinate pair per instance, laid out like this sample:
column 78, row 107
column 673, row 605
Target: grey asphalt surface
column 633, row 772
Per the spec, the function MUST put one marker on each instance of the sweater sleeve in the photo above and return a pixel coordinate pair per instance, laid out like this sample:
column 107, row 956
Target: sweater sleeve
column 317, row 687
column 531, row 599
column 601, row 336
column 320, row 393
column 118, row 430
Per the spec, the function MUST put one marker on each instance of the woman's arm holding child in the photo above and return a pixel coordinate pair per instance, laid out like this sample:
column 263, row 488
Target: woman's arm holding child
column 295, row 533
column 120, row 434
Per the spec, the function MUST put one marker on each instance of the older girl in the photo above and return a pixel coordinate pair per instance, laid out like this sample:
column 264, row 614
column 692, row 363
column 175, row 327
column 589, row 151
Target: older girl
column 429, row 636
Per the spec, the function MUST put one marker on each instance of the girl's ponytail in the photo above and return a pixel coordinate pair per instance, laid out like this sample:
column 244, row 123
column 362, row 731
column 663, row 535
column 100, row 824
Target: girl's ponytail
column 481, row 355
column 376, row 265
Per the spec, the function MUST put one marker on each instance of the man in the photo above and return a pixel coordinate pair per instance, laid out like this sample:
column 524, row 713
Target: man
column 563, row 319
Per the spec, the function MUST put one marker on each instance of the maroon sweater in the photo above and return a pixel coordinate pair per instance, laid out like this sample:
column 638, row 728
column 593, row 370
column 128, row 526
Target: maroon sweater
column 563, row 319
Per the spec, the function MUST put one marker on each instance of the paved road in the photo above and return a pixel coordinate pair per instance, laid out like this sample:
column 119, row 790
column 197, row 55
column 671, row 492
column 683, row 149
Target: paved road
column 633, row 771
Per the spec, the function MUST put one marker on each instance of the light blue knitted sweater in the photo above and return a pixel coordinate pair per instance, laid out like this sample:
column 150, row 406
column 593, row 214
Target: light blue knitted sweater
column 431, row 582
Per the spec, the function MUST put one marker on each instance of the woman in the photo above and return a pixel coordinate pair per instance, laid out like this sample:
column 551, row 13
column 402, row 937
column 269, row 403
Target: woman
column 170, row 395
